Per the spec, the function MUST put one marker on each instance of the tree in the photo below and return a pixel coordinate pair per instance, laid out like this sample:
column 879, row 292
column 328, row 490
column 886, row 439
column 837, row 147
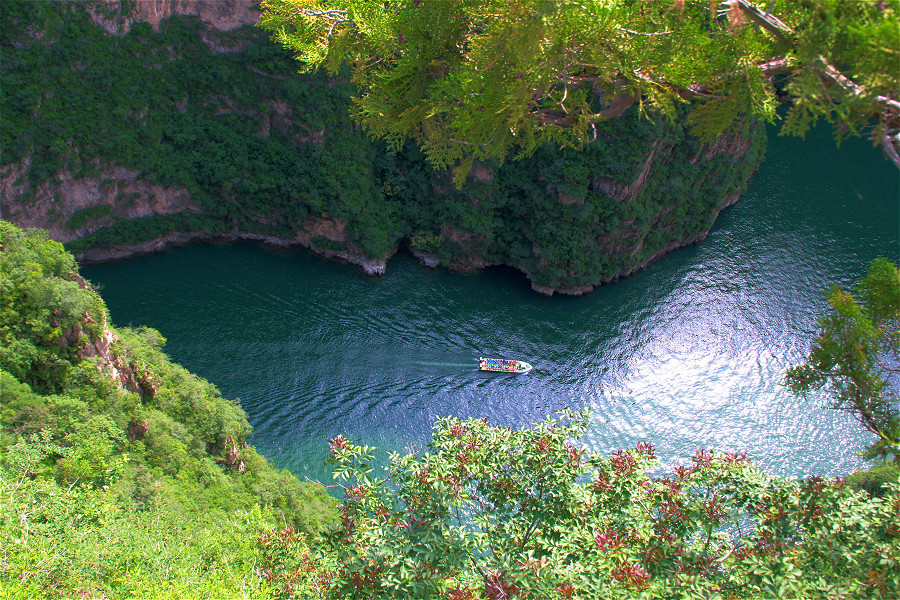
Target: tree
column 486, row 512
column 478, row 79
column 856, row 355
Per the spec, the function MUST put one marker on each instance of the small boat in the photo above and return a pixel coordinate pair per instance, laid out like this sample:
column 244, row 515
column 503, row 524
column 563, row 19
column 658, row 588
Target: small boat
column 503, row 365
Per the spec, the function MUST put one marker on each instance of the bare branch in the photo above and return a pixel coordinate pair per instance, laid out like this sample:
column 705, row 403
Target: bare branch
column 336, row 17
column 642, row 33
column 482, row 144
column 729, row 553
column 889, row 144
column 764, row 19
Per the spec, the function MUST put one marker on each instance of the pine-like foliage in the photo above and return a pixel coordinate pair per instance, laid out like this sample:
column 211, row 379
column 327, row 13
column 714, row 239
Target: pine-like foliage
column 856, row 356
column 478, row 79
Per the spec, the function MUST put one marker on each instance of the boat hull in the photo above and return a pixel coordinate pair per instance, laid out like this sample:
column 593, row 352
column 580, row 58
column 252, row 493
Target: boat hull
column 503, row 365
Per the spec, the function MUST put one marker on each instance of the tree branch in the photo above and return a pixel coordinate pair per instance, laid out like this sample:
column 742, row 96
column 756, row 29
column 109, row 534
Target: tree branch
column 335, row 16
column 765, row 20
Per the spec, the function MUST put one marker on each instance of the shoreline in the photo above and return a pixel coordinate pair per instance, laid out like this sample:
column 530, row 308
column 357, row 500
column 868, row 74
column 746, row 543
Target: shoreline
column 369, row 266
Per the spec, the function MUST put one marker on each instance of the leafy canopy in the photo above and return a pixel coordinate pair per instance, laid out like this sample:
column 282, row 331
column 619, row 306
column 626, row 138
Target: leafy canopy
column 478, row 79
column 486, row 512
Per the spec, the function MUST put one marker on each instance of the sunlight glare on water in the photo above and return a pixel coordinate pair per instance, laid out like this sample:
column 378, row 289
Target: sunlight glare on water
column 686, row 354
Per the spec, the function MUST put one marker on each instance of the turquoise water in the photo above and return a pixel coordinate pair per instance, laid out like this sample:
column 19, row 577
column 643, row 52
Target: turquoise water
column 687, row 354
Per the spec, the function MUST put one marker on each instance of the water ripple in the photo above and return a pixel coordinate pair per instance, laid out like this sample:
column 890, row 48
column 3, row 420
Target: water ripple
column 687, row 354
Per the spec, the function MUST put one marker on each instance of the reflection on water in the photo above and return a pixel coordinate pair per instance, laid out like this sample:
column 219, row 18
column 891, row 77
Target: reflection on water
column 687, row 354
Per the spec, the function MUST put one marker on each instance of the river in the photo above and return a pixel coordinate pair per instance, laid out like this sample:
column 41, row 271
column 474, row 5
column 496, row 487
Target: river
column 686, row 354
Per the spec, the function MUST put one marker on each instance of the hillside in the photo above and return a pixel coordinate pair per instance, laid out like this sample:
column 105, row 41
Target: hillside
column 154, row 134
column 121, row 473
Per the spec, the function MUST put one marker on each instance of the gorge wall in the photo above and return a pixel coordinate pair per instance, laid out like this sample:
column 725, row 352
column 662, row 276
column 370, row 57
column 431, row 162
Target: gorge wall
column 117, row 16
column 130, row 126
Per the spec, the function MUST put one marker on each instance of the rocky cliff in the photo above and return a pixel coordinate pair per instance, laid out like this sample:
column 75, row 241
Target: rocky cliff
column 70, row 207
column 633, row 238
column 132, row 137
column 104, row 346
column 117, row 16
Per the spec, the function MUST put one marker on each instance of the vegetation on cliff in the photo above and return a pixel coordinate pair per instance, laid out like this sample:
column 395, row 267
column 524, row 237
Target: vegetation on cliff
column 260, row 149
column 121, row 474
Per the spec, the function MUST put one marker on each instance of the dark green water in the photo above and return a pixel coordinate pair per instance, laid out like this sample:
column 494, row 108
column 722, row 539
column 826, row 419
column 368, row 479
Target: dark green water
column 687, row 354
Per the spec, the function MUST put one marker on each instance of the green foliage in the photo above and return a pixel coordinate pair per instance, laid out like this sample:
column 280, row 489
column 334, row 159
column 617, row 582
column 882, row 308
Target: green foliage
column 860, row 39
column 479, row 79
column 121, row 473
column 43, row 308
column 239, row 130
column 85, row 215
column 426, row 242
column 68, row 541
column 855, row 355
column 265, row 151
column 876, row 480
column 289, row 566
column 147, row 228
column 487, row 513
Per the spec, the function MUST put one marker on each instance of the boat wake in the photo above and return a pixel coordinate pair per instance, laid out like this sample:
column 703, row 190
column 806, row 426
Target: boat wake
column 472, row 364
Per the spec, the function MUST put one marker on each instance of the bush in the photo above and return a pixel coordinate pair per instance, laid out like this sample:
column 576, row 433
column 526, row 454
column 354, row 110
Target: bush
column 84, row 216
column 875, row 479
column 485, row 513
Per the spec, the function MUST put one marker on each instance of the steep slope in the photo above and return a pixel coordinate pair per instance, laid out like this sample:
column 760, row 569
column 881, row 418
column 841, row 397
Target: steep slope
column 120, row 470
column 177, row 131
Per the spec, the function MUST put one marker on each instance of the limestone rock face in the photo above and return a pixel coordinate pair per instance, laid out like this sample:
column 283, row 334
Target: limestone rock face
column 567, row 229
column 471, row 252
column 126, row 194
column 220, row 14
column 126, row 372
